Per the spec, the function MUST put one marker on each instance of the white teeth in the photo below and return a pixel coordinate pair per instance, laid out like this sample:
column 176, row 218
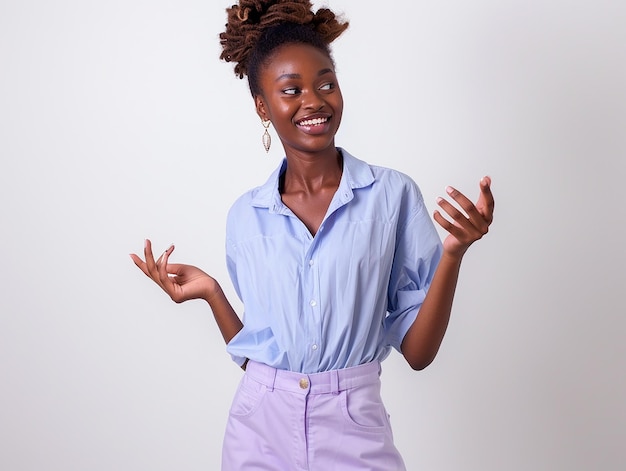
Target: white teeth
column 312, row 122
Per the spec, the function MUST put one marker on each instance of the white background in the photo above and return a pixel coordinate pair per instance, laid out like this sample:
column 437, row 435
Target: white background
column 118, row 122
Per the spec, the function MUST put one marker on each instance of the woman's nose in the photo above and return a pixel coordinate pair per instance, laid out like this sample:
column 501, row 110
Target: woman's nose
column 312, row 100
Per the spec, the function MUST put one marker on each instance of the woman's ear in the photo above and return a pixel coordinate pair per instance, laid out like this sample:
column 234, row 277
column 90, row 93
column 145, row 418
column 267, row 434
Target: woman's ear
column 260, row 107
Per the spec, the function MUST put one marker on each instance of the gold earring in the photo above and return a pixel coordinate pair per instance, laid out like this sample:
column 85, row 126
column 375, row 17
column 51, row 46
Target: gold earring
column 267, row 139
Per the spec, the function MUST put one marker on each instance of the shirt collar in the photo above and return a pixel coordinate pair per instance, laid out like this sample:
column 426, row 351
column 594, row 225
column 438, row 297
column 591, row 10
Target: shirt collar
column 356, row 174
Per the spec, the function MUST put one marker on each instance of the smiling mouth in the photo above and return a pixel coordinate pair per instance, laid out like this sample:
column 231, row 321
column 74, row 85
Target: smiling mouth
column 312, row 122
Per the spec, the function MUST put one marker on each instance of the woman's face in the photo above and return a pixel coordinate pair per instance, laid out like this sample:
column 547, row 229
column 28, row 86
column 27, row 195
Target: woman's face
column 301, row 96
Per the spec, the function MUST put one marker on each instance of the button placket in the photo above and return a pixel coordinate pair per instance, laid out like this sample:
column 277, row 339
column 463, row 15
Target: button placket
column 312, row 305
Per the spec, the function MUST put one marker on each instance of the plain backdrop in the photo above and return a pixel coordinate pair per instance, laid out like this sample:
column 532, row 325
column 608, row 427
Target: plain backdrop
column 118, row 122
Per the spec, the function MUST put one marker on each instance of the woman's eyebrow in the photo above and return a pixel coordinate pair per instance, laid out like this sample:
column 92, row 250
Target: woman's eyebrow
column 297, row 76
column 288, row 76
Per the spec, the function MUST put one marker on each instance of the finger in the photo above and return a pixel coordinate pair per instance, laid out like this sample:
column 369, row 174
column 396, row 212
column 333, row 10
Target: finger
column 465, row 203
column 152, row 266
column 451, row 210
column 140, row 263
column 175, row 278
column 457, row 231
column 472, row 222
column 464, row 228
column 150, row 263
column 163, row 267
column 480, row 216
column 486, row 203
column 144, row 268
column 442, row 221
column 175, row 269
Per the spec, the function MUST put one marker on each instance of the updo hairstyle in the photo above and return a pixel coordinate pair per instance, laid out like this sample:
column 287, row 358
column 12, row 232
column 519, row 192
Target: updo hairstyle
column 256, row 28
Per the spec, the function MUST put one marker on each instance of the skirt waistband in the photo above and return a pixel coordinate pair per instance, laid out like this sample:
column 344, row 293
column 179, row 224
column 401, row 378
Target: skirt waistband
column 317, row 383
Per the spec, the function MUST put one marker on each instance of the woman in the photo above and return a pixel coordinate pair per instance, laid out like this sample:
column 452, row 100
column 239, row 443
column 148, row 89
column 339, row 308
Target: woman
column 333, row 260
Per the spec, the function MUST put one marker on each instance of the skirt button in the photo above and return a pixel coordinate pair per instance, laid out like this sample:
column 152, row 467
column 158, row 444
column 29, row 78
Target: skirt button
column 304, row 383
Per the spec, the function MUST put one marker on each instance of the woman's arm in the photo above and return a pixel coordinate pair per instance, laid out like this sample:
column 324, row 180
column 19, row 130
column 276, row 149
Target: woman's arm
column 421, row 343
column 185, row 282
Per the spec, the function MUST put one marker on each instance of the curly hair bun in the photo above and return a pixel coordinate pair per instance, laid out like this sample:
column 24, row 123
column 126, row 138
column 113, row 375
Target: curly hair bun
column 248, row 20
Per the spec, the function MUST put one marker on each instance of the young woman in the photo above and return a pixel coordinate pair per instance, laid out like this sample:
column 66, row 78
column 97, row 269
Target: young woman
column 336, row 262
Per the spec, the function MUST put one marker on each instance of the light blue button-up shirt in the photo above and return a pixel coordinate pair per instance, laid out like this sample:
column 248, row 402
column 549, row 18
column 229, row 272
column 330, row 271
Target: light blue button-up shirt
column 340, row 298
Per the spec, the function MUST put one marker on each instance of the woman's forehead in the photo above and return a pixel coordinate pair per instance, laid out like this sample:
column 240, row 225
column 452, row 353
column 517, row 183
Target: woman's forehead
column 298, row 58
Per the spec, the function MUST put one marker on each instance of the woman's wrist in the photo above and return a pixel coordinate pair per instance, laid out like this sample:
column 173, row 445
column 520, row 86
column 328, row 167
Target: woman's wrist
column 213, row 293
column 451, row 257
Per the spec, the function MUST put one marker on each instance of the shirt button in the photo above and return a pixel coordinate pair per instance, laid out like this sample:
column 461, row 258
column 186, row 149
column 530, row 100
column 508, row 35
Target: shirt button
column 304, row 383
column 314, row 346
column 313, row 303
column 311, row 263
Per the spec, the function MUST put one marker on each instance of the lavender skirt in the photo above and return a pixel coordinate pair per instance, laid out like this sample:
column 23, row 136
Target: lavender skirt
column 331, row 421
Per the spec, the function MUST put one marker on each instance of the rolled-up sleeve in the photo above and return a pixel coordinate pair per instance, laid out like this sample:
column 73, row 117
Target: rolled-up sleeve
column 418, row 251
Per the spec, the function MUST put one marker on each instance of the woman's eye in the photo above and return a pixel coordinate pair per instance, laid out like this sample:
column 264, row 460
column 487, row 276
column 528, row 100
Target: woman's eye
column 327, row 86
column 290, row 91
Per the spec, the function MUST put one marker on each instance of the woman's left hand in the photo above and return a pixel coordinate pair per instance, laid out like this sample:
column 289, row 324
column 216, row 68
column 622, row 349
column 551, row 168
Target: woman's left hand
column 465, row 229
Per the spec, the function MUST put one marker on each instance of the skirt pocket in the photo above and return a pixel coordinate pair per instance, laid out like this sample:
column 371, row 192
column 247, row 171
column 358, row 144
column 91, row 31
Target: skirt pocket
column 363, row 408
column 248, row 397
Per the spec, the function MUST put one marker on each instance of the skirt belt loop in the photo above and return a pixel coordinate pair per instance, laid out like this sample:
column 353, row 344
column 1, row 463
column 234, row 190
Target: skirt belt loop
column 334, row 382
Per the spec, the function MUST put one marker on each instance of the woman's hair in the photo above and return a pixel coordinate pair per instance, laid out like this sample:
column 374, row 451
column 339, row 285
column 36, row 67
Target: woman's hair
column 256, row 28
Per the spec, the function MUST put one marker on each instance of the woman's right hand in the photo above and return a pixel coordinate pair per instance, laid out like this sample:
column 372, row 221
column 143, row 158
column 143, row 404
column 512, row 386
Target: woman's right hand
column 180, row 282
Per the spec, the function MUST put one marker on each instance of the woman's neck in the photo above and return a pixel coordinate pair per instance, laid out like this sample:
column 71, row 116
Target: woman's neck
column 311, row 173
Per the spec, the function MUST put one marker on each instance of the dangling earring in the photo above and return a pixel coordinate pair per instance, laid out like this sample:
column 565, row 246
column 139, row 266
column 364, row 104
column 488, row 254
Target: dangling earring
column 267, row 139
